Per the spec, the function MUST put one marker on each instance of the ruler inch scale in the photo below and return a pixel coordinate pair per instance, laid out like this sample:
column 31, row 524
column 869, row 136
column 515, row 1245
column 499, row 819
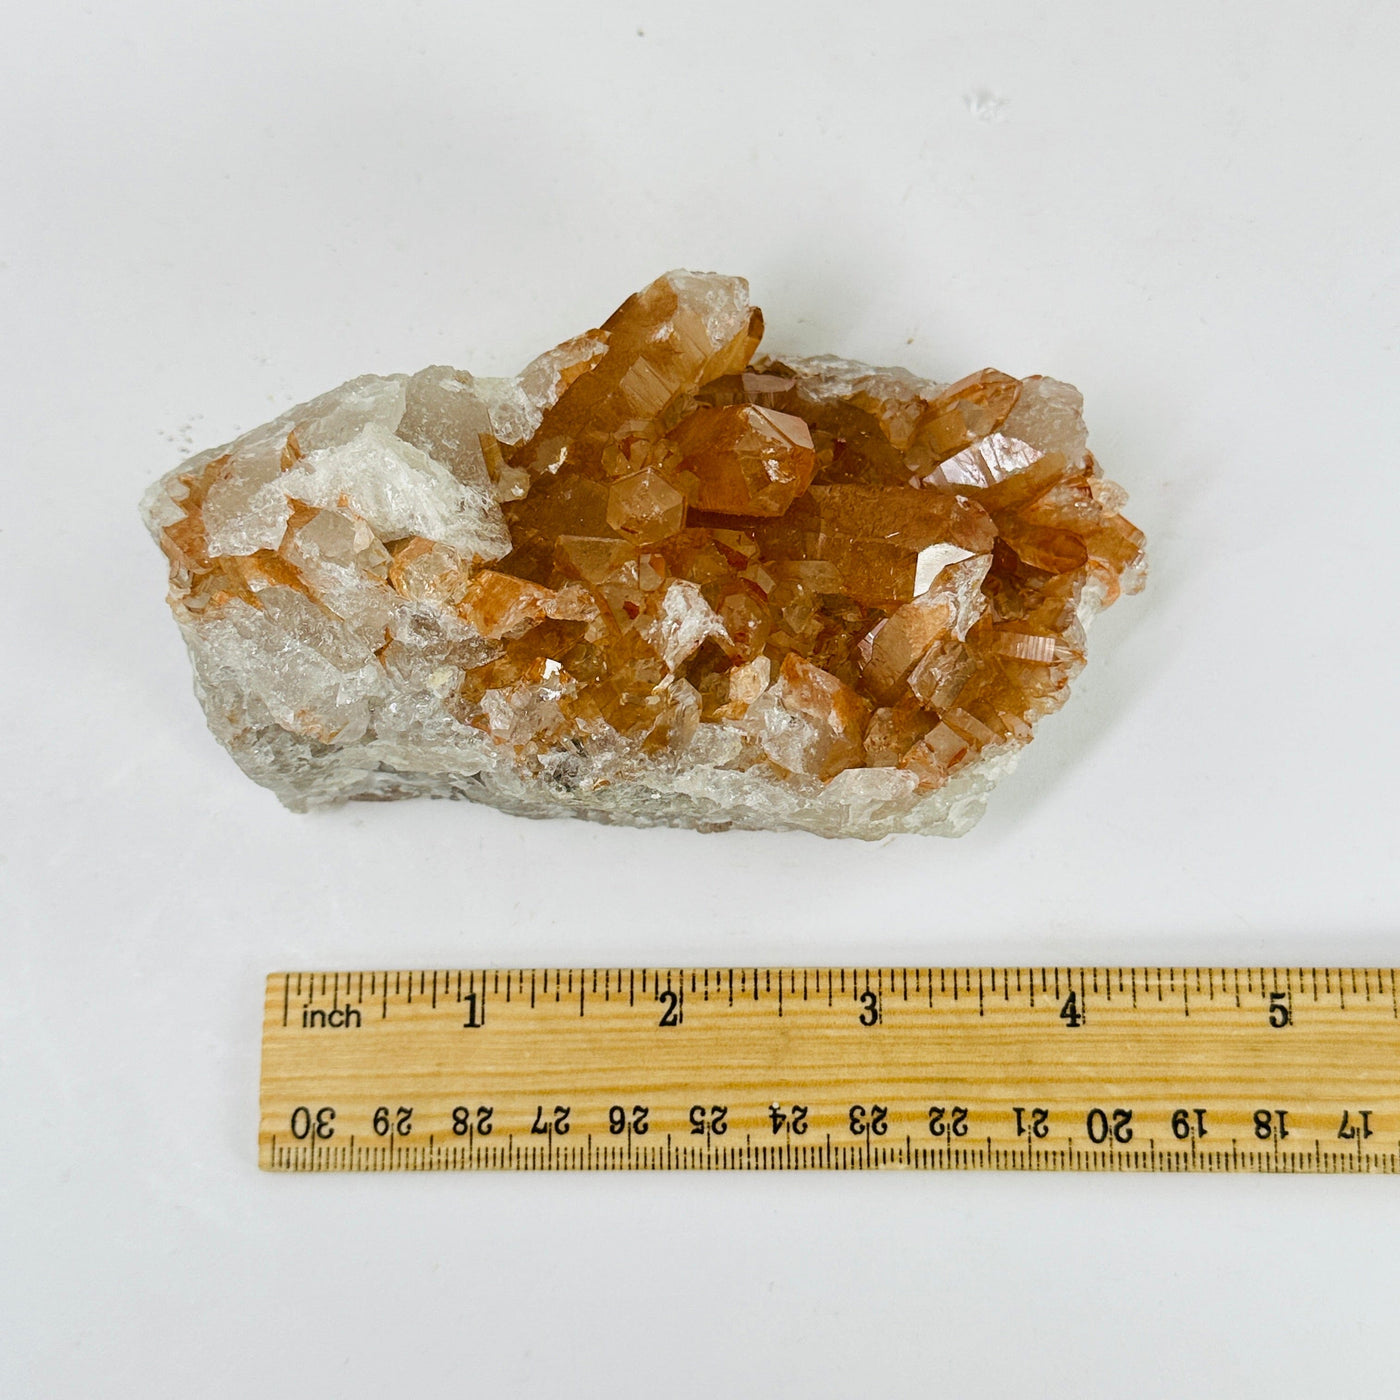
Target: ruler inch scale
column 1170, row 1069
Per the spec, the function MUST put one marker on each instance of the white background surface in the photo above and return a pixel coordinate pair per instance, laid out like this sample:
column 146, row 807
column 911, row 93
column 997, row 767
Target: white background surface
column 210, row 212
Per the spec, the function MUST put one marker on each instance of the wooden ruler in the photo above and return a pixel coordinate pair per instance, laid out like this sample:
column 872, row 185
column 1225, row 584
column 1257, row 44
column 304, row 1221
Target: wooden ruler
column 1042, row 1069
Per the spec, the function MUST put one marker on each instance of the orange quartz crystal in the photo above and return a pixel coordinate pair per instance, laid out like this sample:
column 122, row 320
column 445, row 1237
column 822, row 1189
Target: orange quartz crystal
column 796, row 520
column 782, row 568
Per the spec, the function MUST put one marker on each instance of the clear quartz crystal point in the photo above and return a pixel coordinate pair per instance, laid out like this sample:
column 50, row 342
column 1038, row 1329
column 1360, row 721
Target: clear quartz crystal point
column 652, row 579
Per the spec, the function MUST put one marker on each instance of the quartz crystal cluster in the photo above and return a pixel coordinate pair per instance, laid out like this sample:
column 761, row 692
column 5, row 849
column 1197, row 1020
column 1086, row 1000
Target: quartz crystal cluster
column 652, row 579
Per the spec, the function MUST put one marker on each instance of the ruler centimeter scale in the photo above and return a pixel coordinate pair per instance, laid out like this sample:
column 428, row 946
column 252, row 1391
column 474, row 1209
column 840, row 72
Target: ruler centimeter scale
column 1044, row 1069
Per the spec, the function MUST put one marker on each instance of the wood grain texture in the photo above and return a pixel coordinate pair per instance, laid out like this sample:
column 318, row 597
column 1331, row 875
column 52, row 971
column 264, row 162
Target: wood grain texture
column 1138, row 1069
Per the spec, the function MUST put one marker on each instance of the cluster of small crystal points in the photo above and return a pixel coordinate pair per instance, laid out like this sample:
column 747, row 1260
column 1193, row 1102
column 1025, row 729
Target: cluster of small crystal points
column 649, row 580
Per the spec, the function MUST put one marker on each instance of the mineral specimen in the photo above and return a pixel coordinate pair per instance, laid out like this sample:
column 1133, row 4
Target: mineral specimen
column 650, row 580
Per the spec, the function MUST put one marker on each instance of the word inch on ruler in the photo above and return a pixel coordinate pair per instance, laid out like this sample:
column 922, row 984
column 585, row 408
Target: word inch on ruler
column 664, row 1069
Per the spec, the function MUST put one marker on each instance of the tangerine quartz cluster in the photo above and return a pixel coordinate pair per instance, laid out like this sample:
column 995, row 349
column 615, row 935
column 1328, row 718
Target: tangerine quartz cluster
column 652, row 579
